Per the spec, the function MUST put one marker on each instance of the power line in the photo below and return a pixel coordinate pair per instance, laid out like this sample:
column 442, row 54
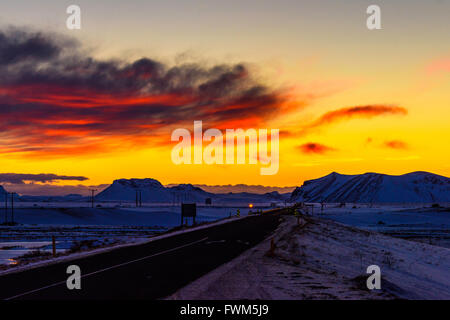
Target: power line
column 138, row 198
column 12, row 207
column 6, row 207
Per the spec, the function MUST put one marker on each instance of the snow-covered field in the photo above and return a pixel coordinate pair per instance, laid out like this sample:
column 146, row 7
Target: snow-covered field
column 76, row 227
column 419, row 222
column 322, row 259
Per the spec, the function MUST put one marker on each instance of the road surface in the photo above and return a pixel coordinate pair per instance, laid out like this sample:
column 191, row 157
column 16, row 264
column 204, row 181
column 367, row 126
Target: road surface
column 148, row 271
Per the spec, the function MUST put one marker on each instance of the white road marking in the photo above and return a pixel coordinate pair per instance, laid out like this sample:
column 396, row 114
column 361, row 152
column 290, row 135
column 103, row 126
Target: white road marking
column 106, row 269
column 216, row 241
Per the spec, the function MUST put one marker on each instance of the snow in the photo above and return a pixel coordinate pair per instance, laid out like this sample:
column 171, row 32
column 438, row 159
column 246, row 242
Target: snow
column 421, row 187
column 164, row 215
column 327, row 260
column 28, row 245
column 427, row 224
column 11, row 249
column 125, row 190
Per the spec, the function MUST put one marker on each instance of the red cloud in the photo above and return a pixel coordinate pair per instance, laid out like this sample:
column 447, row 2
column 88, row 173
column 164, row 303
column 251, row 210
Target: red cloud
column 315, row 148
column 368, row 111
column 56, row 101
column 396, row 144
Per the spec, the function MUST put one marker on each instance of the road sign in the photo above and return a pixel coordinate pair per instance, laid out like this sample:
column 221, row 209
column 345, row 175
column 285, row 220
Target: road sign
column 188, row 210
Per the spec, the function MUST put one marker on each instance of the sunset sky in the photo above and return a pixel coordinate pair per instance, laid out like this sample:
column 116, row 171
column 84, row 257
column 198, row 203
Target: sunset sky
column 101, row 102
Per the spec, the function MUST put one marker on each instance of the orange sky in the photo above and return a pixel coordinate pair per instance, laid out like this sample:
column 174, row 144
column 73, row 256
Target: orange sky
column 344, row 98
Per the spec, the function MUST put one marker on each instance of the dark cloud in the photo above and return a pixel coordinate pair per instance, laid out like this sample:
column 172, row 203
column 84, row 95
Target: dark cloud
column 315, row 148
column 38, row 189
column 21, row 46
column 56, row 100
column 21, row 178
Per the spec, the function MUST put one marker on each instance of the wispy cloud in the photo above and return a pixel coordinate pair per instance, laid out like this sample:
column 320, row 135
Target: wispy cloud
column 344, row 114
column 38, row 189
column 365, row 112
column 21, row 178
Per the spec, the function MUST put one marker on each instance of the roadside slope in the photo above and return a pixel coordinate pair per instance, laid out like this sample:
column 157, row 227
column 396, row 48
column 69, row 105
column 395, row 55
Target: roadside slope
column 326, row 260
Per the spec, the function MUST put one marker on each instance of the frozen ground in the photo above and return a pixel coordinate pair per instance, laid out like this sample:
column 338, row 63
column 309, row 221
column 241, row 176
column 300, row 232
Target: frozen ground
column 131, row 205
column 86, row 228
column 414, row 222
column 322, row 259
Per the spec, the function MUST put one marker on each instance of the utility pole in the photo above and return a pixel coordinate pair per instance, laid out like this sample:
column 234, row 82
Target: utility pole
column 12, row 207
column 92, row 196
column 53, row 246
column 136, row 198
column 6, row 207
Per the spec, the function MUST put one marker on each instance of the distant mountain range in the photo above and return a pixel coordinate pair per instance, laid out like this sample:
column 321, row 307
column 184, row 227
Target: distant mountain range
column 151, row 190
column 419, row 187
column 238, row 188
column 415, row 187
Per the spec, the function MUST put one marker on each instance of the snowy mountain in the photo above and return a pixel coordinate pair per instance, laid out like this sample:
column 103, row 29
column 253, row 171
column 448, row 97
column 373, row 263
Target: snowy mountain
column 374, row 187
column 188, row 192
column 152, row 191
column 127, row 189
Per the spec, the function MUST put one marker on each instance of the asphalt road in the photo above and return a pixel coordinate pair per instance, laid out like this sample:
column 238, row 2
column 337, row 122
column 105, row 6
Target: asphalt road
column 147, row 271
